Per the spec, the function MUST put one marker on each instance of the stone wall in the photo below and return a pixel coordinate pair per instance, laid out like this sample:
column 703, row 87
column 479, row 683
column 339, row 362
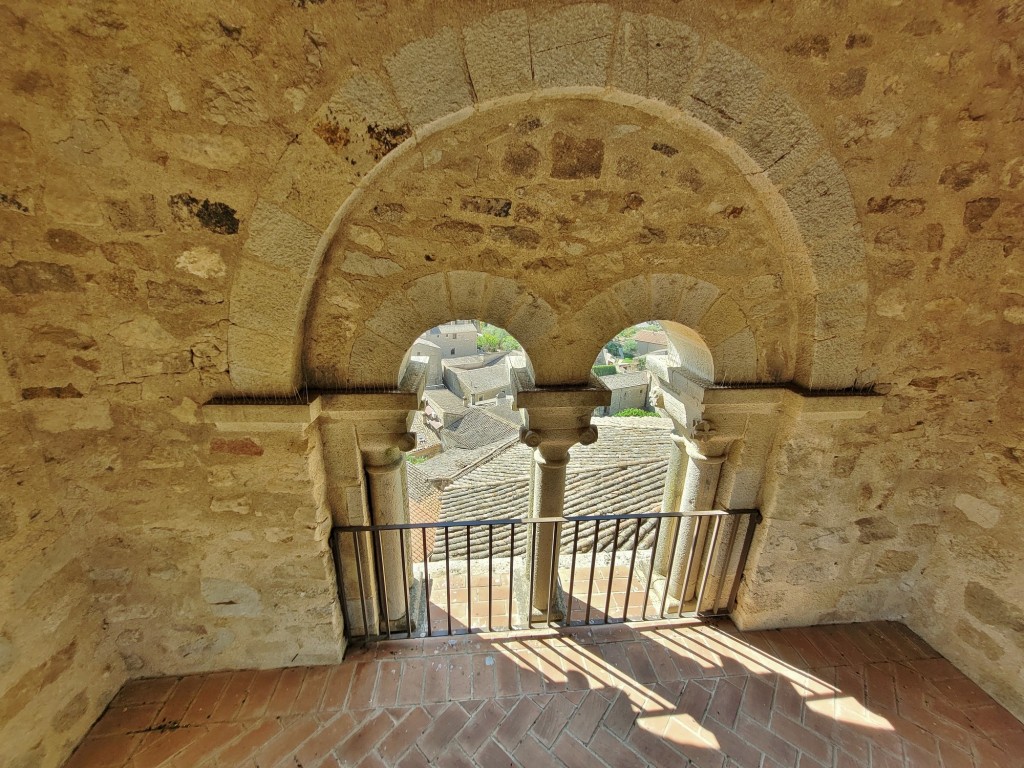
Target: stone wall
column 168, row 178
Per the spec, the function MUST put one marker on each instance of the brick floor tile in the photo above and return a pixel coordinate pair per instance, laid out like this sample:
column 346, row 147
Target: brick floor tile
column 741, row 753
column 312, row 690
column 293, row 733
column 201, row 709
column 802, row 738
column 385, row 694
column 258, row 695
column 531, row 752
column 121, row 720
column 517, row 723
column 758, row 695
column 491, row 755
column 614, row 752
column 453, row 757
column 286, row 692
column 242, row 748
column 725, row 702
column 410, row 685
column 201, row 750
column 481, row 725
column 588, row 716
column 506, row 675
column 620, row 716
column 574, row 754
column 325, row 739
column 413, row 759
column 337, row 686
column 103, row 751
column 769, row 743
column 149, row 691
column 372, row 760
column 180, row 699
column 643, row 669
column 460, row 678
column 364, row 681
column 364, row 738
column 435, row 681
column 405, row 734
column 157, row 747
column 232, row 697
column 443, row 730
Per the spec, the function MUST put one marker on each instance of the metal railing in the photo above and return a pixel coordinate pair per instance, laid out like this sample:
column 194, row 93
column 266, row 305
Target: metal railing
column 377, row 603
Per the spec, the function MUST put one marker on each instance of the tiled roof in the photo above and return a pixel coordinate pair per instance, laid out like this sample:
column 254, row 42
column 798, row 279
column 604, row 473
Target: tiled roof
column 477, row 428
column 622, row 473
column 484, row 379
column 425, row 436
column 454, row 461
column 652, row 337
column 624, row 380
column 458, row 327
column 443, row 400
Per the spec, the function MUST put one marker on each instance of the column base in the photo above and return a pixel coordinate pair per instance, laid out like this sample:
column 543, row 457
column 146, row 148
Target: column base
column 536, row 617
column 658, row 586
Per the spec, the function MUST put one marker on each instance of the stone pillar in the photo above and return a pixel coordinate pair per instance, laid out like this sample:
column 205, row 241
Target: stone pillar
column 550, row 457
column 555, row 420
column 384, row 463
column 705, row 454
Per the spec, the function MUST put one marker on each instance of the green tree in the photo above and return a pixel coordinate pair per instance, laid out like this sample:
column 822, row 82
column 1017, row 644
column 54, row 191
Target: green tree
column 638, row 412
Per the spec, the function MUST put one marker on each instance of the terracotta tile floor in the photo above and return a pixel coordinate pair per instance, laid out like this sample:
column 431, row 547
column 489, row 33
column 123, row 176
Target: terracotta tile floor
column 674, row 695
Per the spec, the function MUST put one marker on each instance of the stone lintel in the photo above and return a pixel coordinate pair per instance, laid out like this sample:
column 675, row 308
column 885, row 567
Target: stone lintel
column 808, row 404
column 261, row 417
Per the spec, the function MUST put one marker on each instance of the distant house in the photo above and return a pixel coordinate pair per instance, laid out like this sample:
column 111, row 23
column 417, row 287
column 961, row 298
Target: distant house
column 432, row 352
column 455, row 339
column 629, row 390
column 650, row 341
column 479, row 377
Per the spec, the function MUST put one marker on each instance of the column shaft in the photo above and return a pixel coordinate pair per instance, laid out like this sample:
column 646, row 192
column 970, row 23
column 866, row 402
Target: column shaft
column 548, row 501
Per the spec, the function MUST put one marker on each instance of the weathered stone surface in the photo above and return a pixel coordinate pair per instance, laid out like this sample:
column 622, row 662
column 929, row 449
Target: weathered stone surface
column 429, row 77
column 498, row 54
column 571, row 46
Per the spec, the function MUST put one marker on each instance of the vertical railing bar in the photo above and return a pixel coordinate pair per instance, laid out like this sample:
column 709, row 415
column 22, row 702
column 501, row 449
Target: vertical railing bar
column 572, row 573
column 689, row 563
column 650, row 573
column 379, row 556
column 340, row 578
column 490, row 578
column 359, row 577
column 752, row 520
column 448, row 579
column 511, row 568
column 593, row 567
column 405, row 583
column 531, row 538
column 707, row 564
column 611, row 570
column 426, row 579
column 671, row 563
column 728, row 557
column 469, row 583
column 632, row 567
column 556, row 545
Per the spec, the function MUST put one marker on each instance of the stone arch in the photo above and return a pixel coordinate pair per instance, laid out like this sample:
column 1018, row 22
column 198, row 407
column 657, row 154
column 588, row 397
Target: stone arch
column 644, row 61
column 379, row 350
column 711, row 334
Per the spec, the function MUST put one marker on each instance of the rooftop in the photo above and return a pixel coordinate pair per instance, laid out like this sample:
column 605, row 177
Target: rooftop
column 624, row 380
column 652, row 337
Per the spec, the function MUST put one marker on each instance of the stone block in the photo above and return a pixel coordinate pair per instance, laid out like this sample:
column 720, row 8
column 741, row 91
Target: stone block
column 838, row 259
column 819, row 199
column 672, row 52
column 230, row 598
column 724, row 319
column 466, row 290
column 634, row 296
column 571, row 46
column 430, row 78
column 57, row 416
column 695, row 303
column 736, row 358
column 498, row 54
column 430, row 294
column 779, row 136
column 281, row 240
column 666, row 293
column 267, row 299
column 501, row 298
column 725, row 89
column 262, row 355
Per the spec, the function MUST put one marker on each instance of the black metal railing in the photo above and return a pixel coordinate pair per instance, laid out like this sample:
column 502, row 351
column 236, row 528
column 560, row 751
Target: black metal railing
column 377, row 603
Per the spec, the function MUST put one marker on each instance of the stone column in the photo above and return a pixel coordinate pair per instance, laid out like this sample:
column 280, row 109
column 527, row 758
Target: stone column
column 551, row 457
column 555, row 420
column 384, row 463
column 706, row 454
